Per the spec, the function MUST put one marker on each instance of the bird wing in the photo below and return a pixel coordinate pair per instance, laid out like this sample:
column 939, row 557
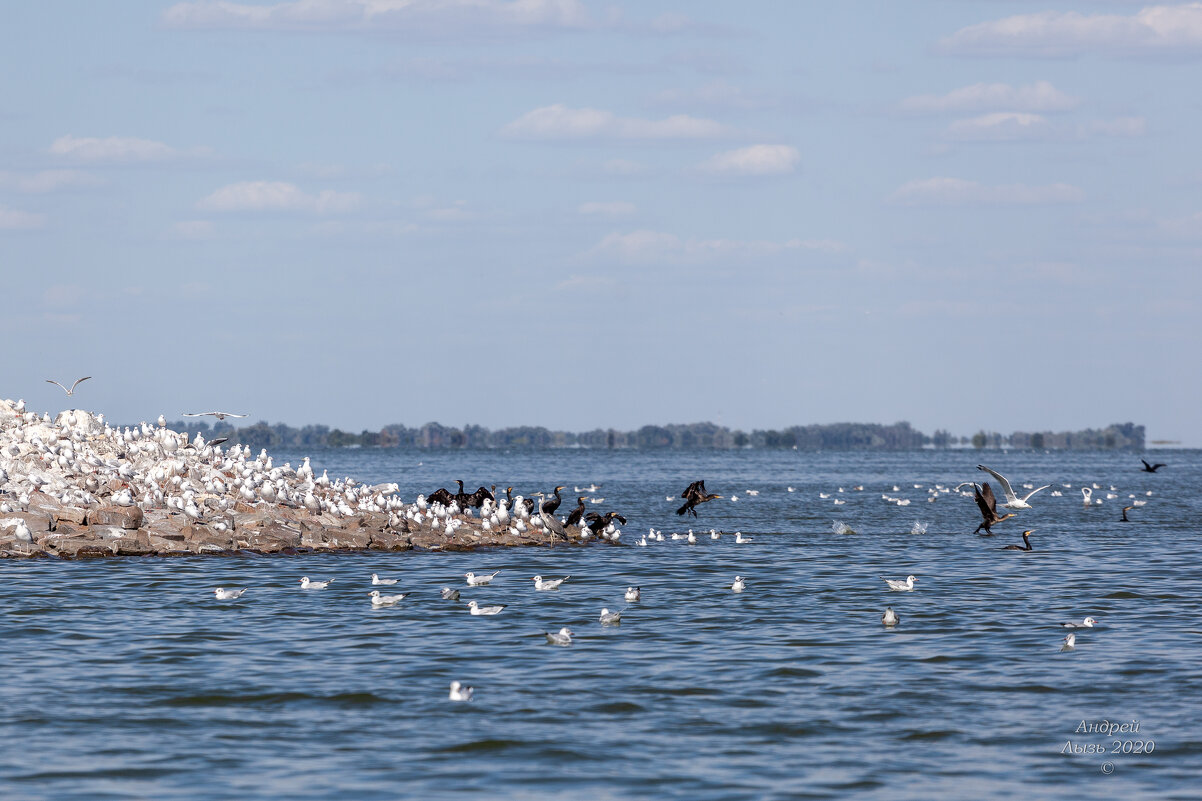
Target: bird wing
column 986, row 501
column 64, row 389
column 1027, row 497
column 194, row 414
column 1156, row 467
column 1009, row 493
column 79, row 381
column 1146, row 465
column 231, row 414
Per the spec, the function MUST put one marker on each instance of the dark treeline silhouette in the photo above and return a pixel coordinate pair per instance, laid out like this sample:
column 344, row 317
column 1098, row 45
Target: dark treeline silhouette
column 693, row 436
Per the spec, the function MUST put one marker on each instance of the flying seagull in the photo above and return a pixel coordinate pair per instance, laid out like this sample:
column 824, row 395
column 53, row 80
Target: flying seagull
column 218, row 415
column 1012, row 500
column 70, row 391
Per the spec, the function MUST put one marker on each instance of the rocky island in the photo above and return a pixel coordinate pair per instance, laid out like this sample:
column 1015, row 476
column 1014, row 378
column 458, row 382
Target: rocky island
column 74, row 487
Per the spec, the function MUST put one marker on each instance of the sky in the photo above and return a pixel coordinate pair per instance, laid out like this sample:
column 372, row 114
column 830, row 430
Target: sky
column 965, row 214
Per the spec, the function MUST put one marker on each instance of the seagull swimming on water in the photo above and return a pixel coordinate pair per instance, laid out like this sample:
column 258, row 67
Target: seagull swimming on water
column 70, row 391
column 223, row 594
column 1012, row 500
column 377, row 580
column 1070, row 642
column 633, row 594
column 890, row 617
column 314, row 585
column 460, row 692
column 899, row 585
column 739, row 584
column 561, row 637
column 548, row 584
column 1087, row 623
column 218, row 415
column 385, row 600
column 609, row 618
column 450, row 595
column 477, row 581
column 476, row 609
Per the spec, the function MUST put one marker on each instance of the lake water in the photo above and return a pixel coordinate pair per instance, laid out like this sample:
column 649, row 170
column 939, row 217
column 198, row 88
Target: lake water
column 125, row 679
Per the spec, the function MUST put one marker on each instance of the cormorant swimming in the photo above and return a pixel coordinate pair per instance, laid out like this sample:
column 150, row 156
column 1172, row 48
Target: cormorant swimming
column 1026, row 546
column 1124, row 519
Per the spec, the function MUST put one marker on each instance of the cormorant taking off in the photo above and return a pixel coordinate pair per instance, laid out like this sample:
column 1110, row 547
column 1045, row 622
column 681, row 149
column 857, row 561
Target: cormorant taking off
column 693, row 495
column 577, row 513
column 440, row 495
column 1151, row 468
column 1124, row 519
column 1026, row 546
column 597, row 522
column 988, row 506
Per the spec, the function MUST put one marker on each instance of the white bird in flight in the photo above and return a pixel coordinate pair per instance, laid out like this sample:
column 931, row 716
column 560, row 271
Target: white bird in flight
column 477, row 581
column 561, row 637
column 377, row 580
column 899, row 585
column 218, row 415
column 70, row 391
column 548, row 584
column 314, row 585
column 1012, row 500
column 476, row 609
column 460, row 692
column 385, row 600
column 223, row 594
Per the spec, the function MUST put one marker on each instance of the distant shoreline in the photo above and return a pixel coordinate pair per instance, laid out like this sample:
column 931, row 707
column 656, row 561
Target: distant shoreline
column 692, row 436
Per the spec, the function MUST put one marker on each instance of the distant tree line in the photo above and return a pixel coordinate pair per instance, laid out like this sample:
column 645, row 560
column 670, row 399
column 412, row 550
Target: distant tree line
column 693, row 436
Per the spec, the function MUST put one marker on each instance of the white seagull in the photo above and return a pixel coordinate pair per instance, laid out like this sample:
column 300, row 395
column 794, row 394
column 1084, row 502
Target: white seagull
column 548, row 584
column 899, row 585
column 1087, row 623
column 476, row 609
column 633, row 594
column 460, row 692
column 1012, row 500
column 476, row 581
column 561, row 637
column 1070, row 642
column 70, row 391
column 223, row 594
column 739, row 538
column 385, row 600
column 890, row 617
column 609, row 618
column 739, row 584
column 218, row 415
column 377, row 580
column 449, row 594
column 306, row 584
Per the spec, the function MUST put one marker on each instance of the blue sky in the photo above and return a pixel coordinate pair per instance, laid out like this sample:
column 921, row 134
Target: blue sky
column 968, row 214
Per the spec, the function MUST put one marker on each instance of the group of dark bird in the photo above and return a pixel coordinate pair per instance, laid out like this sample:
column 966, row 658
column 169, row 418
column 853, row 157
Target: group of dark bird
column 546, row 509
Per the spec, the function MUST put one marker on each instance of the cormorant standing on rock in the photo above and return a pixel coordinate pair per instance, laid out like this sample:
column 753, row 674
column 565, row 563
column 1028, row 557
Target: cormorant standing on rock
column 440, row 495
column 988, row 506
column 577, row 513
column 1151, row 468
column 551, row 504
column 598, row 522
column 693, row 495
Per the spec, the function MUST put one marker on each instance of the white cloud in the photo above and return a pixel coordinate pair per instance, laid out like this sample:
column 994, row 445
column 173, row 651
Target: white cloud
column 119, row 149
column 561, row 122
column 603, row 209
column 405, row 16
column 958, row 192
column 1151, row 30
column 754, row 160
column 46, row 180
column 1000, row 126
column 278, row 196
column 1039, row 96
column 16, row 220
column 648, row 247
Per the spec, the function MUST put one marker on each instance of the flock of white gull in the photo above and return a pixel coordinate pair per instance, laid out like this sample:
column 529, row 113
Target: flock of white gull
column 81, row 460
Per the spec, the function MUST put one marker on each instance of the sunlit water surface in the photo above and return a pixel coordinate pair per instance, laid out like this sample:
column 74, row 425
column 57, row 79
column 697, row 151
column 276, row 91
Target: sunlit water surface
column 125, row 679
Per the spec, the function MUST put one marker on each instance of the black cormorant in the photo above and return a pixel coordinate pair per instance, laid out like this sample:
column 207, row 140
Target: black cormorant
column 693, row 495
column 551, row 504
column 988, row 506
column 577, row 513
column 1151, row 468
column 1124, row 519
column 1026, row 546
